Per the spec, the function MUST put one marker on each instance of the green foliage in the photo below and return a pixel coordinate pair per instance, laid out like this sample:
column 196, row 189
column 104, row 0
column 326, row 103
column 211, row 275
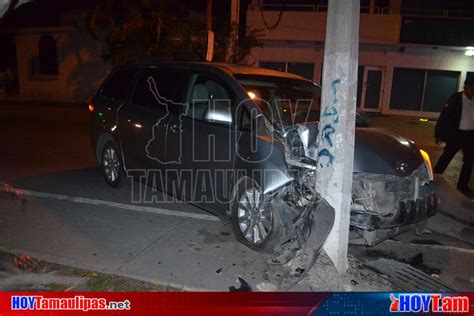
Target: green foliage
column 135, row 29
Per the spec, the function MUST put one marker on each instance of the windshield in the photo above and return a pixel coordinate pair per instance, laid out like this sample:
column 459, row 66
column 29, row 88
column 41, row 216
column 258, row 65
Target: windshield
column 287, row 101
column 284, row 101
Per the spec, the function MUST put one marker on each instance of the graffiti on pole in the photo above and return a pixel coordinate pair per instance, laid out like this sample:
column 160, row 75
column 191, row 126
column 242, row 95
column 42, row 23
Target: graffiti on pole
column 329, row 121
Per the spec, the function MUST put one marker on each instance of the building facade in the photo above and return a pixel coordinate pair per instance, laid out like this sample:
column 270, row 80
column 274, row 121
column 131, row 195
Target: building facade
column 410, row 59
column 54, row 63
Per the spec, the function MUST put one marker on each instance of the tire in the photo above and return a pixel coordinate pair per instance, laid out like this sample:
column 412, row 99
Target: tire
column 111, row 164
column 253, row 226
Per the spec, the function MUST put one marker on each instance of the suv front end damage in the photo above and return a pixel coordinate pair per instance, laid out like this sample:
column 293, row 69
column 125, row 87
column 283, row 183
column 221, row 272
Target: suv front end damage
column 306, row 219
column 391, row 187
column 383, row 204
column 386, row 205
column 386, row 201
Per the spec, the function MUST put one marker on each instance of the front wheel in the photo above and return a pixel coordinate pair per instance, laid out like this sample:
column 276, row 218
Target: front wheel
column 253, row 218
column 111, row 165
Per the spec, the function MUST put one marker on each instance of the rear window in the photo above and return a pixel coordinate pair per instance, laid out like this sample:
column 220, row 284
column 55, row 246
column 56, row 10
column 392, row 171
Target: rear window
column 118, row 84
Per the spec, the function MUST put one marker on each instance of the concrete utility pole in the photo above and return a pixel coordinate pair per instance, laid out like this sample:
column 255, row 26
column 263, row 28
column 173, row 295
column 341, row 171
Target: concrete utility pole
column 234, row 30
column 338, row 107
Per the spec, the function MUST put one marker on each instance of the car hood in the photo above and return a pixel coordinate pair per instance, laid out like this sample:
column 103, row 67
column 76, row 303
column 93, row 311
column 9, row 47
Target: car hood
column 376, row 150
column 382, row 152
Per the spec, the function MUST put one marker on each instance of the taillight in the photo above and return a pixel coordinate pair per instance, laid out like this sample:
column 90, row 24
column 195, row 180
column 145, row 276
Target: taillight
column 91, row 107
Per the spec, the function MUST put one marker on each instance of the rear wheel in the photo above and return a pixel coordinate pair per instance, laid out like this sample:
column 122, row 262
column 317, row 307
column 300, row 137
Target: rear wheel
column 111, row 165
column 253, row 217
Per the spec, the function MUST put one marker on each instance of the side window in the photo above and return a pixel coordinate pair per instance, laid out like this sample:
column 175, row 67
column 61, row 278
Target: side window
column 159, row 87
column 206, row 91
column 117, row 86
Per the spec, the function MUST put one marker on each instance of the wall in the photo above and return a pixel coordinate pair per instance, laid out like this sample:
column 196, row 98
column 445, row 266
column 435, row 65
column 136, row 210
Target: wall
column 311, row 26
column 81, row 69
column 388, row 57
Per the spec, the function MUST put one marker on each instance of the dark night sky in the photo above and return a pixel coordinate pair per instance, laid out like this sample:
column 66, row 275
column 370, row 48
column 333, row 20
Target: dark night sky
column 47, row 12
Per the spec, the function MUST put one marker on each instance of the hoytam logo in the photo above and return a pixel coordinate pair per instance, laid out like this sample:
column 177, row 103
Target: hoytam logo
column 76, row 303
column 436, row 303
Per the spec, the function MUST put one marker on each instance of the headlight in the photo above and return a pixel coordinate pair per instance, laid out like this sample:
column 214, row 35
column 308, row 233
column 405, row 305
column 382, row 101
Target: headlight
column 428, row 166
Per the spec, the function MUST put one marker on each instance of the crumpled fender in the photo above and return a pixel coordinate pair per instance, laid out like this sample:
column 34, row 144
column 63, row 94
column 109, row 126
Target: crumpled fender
column 292, row 262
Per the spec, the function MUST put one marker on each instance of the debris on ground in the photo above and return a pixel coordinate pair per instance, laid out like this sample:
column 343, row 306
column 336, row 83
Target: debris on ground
column 19, row 272
column 23, row 262
column 7, row 191
column 244, row 286
column 324, row 278
column 266, row 287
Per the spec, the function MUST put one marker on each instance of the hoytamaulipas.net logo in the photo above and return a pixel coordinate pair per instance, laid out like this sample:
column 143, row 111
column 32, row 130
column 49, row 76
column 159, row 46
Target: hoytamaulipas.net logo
column 426, row 302
column 75, row 303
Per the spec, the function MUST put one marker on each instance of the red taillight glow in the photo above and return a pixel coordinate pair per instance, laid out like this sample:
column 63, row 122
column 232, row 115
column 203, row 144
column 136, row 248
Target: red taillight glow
column 91, row 107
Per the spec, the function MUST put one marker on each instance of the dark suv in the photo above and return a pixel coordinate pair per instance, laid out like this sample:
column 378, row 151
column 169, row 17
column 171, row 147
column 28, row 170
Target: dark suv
column 242, row 143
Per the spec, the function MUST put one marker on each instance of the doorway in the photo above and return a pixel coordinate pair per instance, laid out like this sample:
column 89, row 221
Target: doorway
column 372, row 89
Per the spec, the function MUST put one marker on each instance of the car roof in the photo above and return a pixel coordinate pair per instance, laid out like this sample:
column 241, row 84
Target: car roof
column 228, row 68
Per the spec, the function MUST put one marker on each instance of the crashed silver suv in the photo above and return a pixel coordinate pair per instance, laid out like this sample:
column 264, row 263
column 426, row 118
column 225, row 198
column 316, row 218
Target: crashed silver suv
column 242, row 143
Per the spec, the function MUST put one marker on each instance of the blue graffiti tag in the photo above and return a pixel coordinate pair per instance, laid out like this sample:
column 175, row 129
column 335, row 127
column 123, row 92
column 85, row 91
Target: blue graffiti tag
column 325, row 153
column 331, row 111
column 326, row 133
column 330, row 118
column 334, row 89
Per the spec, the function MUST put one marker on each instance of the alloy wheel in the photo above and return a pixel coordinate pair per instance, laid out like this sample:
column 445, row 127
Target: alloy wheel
column 111, row 164
column 255, row 216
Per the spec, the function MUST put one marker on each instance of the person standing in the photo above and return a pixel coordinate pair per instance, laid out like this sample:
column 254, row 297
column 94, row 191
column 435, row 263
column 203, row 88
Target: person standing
column 455, row 127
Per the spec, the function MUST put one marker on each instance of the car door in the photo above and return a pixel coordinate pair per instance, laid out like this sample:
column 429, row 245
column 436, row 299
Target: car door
column 208, row 145
column 144, row 121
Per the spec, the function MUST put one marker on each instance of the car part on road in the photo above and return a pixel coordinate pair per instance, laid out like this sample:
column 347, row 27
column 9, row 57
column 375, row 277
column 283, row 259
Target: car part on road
column 111, row 166
column 244, row 286
column 292, row 261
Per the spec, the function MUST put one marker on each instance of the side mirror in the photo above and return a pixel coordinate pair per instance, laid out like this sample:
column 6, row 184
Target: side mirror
column 220, row 114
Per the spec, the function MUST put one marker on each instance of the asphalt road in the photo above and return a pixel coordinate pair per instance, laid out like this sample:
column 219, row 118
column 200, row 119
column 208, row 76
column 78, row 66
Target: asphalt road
column 55, row 206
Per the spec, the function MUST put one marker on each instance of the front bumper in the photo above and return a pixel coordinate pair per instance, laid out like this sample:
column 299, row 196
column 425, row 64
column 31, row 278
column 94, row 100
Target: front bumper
column 407, row 212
